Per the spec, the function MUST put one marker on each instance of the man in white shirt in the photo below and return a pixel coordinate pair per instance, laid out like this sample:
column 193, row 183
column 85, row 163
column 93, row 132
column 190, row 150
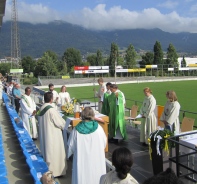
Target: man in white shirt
column 55, row 96
column 28, row 111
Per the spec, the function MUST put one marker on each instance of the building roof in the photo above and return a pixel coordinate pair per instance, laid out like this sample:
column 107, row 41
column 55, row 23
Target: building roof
column 2, row 10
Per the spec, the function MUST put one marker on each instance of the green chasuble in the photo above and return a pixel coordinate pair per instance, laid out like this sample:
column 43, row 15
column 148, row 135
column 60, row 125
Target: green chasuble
column 116, row 115
column 105, row 106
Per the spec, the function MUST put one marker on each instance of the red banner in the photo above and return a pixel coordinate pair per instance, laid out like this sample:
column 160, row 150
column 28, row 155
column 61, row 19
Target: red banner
column 81, row 68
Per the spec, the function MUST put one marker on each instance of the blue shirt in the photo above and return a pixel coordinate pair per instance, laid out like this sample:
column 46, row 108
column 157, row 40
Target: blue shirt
column 16, row 92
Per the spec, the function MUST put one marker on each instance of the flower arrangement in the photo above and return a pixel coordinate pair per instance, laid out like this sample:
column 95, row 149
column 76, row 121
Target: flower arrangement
column 68, row 108
column 160, row 138
column 75, row 100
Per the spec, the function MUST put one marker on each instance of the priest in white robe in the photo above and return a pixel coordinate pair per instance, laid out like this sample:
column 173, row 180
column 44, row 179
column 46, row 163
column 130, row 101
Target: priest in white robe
column 149, row 120
column 28, row 111
column 87, row 143
column 170, row 115
column 51, row 125
column 99, row 94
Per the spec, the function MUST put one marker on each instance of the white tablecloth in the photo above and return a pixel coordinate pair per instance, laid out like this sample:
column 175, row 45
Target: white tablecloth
column 188, row 140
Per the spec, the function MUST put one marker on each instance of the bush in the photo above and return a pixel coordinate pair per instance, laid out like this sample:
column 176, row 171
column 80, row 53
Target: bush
column 28, row 81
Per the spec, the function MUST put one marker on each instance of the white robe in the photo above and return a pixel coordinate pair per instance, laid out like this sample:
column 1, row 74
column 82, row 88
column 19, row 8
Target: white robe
column 62, row 98
column 52, row 148
column 149, row 123
column 89, row 156
column 26, row 112
column 112, row 178
column 171, row 115
column 99, row 94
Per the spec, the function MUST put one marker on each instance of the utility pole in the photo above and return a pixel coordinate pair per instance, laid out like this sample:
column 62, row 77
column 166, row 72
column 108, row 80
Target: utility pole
column 15, row 40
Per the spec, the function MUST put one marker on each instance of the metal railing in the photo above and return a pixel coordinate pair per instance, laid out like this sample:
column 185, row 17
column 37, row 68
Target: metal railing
column 178, row 159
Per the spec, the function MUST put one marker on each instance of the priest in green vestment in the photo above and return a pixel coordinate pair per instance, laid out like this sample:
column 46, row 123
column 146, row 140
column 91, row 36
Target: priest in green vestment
column 117, row 126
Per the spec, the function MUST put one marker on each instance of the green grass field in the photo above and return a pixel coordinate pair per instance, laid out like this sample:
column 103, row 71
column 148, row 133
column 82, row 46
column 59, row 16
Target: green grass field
column 185, row 90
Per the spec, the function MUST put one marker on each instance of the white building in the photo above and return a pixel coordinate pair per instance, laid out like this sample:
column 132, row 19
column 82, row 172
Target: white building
column 188, row 61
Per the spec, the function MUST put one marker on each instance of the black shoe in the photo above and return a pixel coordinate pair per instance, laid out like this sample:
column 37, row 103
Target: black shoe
column 144, row 144
column 112, row 140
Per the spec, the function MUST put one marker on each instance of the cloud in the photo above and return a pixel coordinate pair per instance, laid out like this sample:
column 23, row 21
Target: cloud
column 100, row 18
column 169, row 4
column 117, row 18
column 193, row 8
column 33, row 13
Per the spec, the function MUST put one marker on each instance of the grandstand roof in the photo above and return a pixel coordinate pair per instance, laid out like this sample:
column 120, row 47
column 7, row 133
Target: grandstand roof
column 2, row 11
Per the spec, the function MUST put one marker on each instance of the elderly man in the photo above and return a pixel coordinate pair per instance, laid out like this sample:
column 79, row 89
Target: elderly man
column 28, row 111
column 17, row 96
column 52, row 147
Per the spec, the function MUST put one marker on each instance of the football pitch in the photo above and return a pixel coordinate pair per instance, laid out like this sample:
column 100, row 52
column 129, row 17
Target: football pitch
column 186, row 92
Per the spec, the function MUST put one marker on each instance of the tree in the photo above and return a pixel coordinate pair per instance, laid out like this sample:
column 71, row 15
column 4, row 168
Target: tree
column 130, row 56
column 147, row 59
column 72, row 57
column 113, row 58
column 60, row 65
column 5, row 68
column 28, row 64
column 91, row 59
column 99, row 58
column 172, row 56
column 183, row 62
column 46, row 66
column 158, row 53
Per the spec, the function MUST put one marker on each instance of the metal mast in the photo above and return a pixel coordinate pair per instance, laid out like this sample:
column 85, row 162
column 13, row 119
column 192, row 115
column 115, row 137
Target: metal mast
column 15, row 39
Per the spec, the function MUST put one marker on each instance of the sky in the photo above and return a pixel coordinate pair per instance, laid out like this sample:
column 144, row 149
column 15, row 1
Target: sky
column 168, row 15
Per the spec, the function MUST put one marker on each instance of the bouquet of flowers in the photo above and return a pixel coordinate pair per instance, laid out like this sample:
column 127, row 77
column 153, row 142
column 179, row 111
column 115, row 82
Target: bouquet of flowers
column 75, row 100
column 68, row 108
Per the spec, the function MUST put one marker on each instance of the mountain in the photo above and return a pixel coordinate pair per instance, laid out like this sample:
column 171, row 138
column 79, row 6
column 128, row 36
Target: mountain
column 58, row 36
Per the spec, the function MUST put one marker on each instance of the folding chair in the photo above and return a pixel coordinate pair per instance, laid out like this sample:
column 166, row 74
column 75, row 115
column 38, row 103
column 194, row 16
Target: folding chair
column 187, row 124
column 133, row 114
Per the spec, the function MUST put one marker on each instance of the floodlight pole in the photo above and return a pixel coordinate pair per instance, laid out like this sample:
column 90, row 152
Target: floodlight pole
column 94, row 92
column 115, row 67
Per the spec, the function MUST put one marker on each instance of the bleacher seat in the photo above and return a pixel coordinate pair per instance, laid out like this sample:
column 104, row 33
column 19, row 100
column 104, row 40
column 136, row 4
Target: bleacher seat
column 3, row 180
column 36, row 176
column 39, row 166
column 34, row 159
